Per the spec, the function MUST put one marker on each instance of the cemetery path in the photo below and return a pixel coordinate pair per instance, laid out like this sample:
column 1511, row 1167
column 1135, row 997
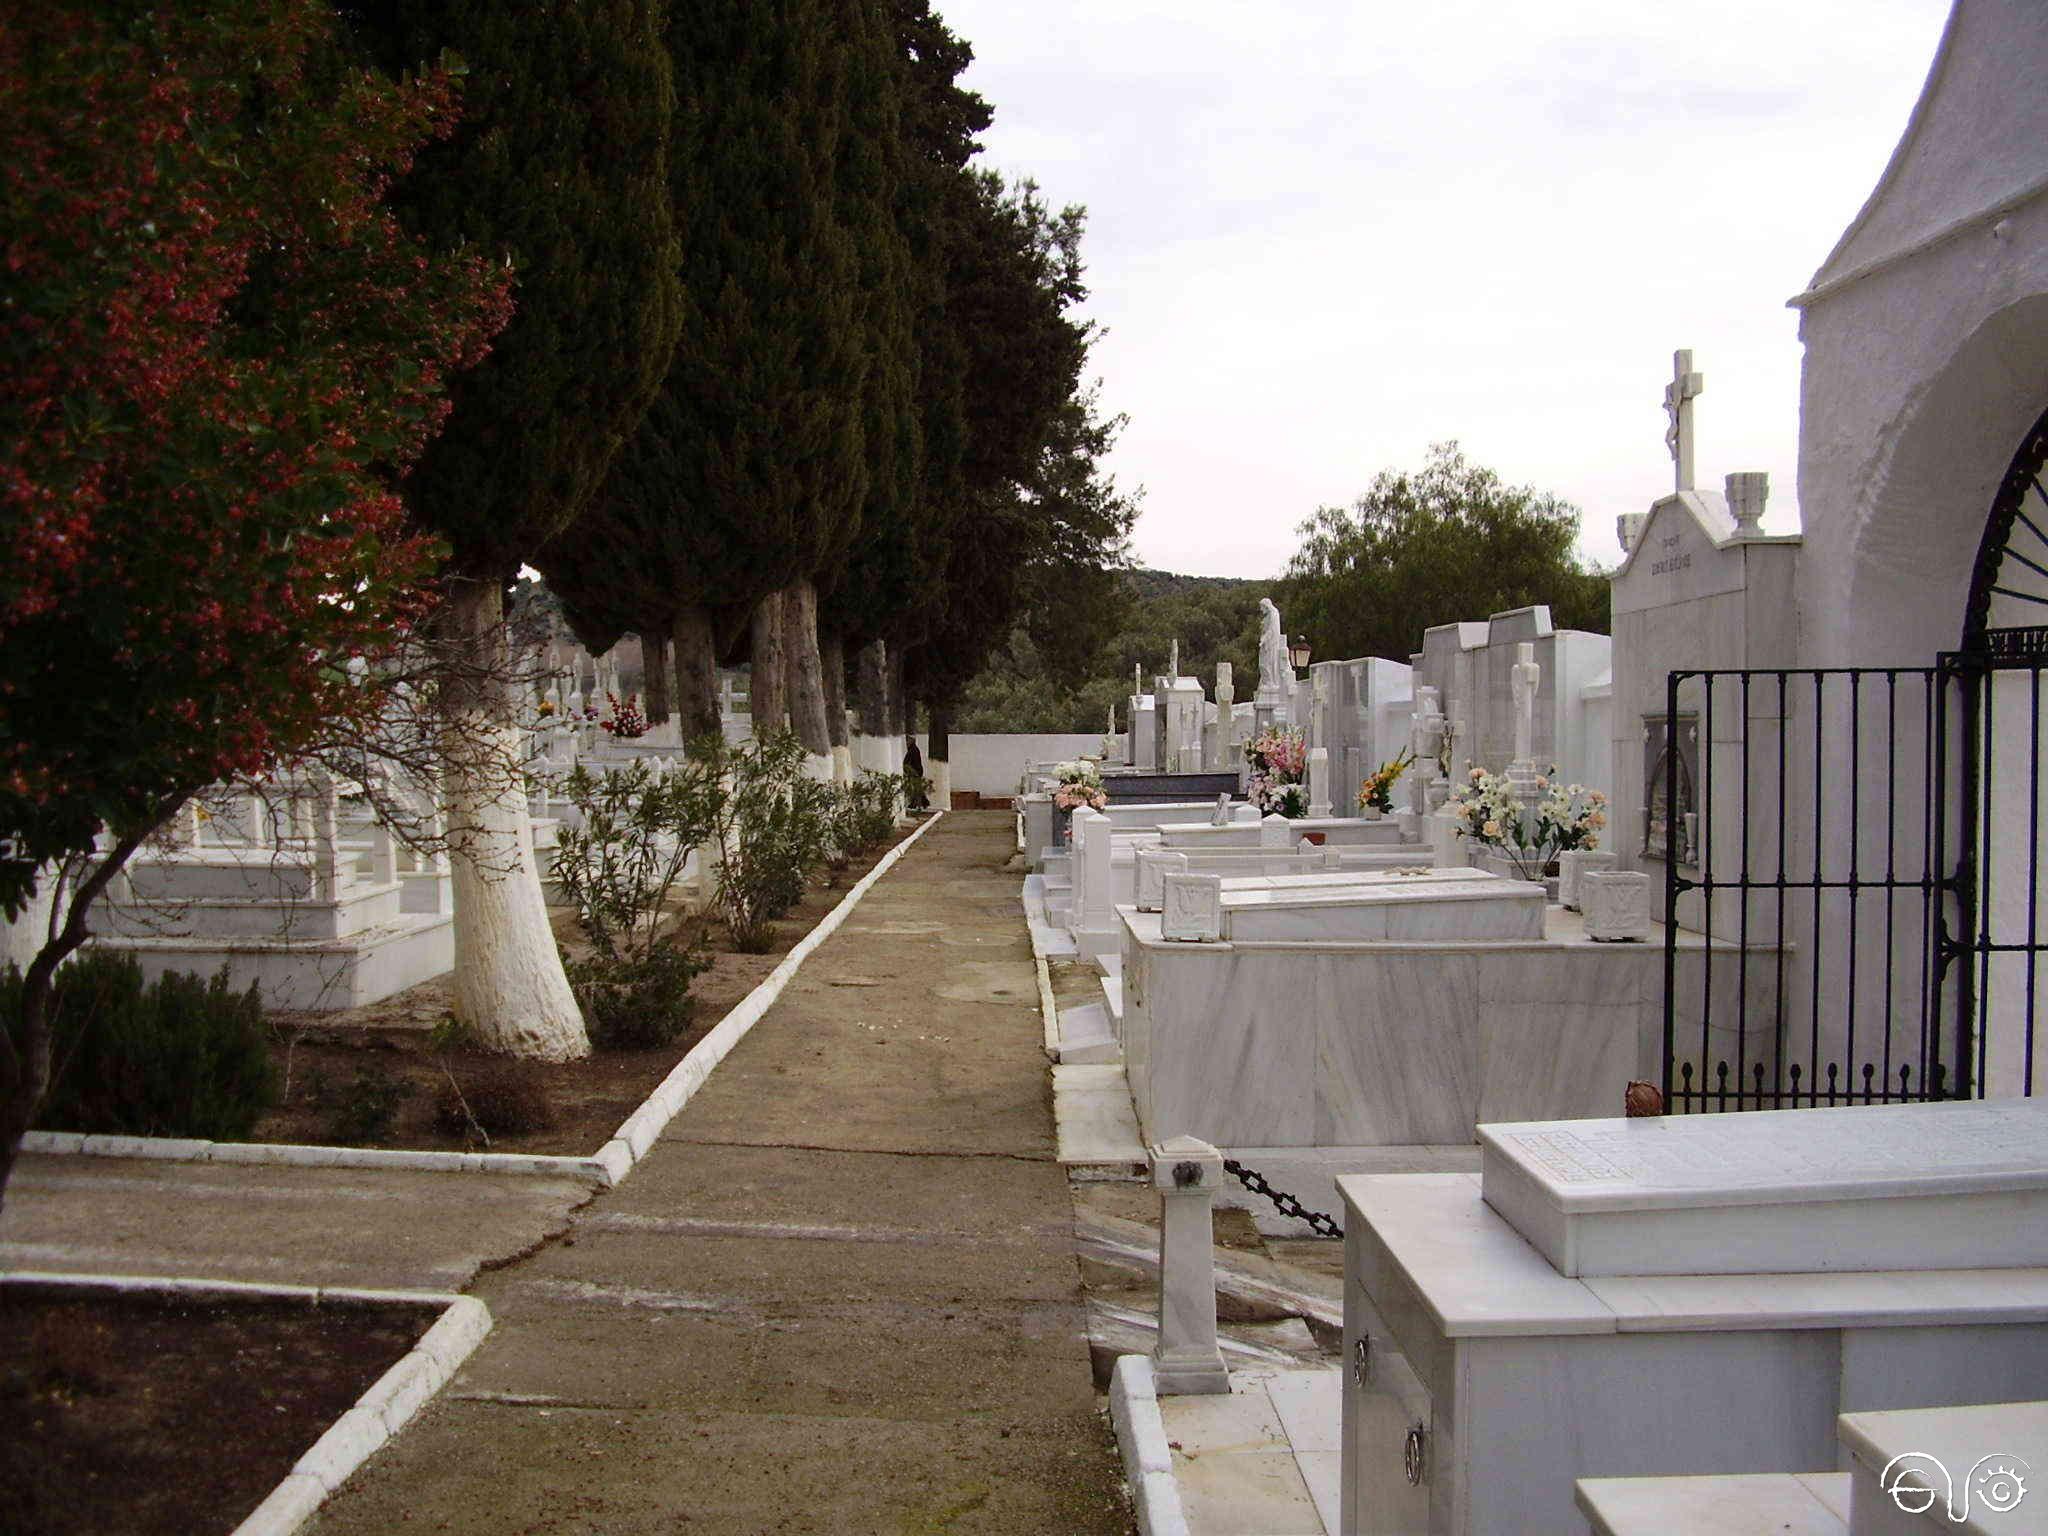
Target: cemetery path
column 841, row 1296
column 378, row 1228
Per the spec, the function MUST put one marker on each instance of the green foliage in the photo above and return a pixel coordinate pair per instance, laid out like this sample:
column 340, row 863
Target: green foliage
column 772, row 829
column 639, row 1002
column 561, row 169
column 863, row 813
column 636, row 834
column 1023, row 688
column 179, row 1057
column 1449, row 542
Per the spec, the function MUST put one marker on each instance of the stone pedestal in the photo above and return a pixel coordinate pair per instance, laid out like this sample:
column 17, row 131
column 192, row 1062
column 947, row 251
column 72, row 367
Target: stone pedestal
column 1616, row 905
column 1573, row 865
column 1186, row 1172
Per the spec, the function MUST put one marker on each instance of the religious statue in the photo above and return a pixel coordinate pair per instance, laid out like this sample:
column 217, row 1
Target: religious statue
column 1274, row 674
column 1522, row 682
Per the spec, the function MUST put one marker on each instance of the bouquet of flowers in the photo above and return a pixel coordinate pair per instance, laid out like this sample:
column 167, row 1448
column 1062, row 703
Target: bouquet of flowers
column 1377, row 792
column 1567, row 816
column 1080, row 783
column 626, row 721
column 1278, row 759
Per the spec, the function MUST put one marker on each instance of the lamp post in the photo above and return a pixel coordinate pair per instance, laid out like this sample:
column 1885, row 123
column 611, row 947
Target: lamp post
column 1297, row 652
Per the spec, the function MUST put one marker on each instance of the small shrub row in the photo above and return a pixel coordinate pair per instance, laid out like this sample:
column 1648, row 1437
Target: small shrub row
column 176, row 1057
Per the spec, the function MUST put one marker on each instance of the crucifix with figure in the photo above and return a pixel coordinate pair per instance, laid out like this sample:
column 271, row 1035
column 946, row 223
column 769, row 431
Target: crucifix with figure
column 1678, row 398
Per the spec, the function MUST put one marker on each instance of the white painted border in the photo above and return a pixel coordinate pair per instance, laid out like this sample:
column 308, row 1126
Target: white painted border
column 1048, row 1010
column 1141, row 1438
column 378, row 1414
column 604, row 1168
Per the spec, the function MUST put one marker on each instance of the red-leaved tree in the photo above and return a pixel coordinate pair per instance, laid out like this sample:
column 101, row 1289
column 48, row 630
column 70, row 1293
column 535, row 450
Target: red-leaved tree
column 219, row 352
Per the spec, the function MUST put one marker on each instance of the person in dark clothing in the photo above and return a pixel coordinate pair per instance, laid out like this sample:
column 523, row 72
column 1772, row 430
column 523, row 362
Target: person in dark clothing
column 915, row 792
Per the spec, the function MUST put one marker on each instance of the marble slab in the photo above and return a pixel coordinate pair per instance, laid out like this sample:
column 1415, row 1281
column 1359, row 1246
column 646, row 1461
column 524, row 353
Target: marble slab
column 1877, row 1187
column 1449, row 905
column 1980, row 1463
column 1778, row 1503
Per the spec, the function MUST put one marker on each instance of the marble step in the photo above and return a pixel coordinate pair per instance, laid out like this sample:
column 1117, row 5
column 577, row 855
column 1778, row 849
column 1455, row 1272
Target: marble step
column 1086, row 1036
column 1113, row 996
column 1762, row 1504
column 1049, row 942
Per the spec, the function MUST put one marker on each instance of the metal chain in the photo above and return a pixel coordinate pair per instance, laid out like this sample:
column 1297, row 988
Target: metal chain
column 1287, row 1205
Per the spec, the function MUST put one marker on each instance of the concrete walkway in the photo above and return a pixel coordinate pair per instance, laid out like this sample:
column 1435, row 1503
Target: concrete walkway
column 841, row 1296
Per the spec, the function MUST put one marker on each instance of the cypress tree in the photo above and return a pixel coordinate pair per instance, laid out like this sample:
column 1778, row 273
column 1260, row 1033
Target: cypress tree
column 560, row 167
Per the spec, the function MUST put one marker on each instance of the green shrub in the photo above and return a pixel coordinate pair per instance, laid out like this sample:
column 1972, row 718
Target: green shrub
column 179, row 1057
column 773, row 828
column 637, row 833
column 634, row 1003
column 863, row 813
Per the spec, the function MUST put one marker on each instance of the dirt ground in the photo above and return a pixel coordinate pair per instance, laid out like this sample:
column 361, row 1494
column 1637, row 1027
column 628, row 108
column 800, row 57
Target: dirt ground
column 100, row 1398
column 378, row 1075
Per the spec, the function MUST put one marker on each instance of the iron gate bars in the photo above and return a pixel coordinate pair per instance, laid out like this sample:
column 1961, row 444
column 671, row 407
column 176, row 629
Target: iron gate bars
column 1811, row 886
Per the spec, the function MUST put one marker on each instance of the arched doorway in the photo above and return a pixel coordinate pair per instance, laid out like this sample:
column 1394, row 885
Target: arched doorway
column 1995, row 952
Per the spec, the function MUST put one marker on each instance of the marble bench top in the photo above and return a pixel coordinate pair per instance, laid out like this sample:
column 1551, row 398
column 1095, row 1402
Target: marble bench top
column 1479, row 1278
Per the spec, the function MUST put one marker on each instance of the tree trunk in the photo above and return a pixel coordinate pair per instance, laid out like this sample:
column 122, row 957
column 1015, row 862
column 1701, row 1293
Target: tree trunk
column 807, row 692
column 696, row 674
column 25, row 1061
column 654, row 667
column 897, row 732
column 509, row 986
column 938, row 750
column 871, row 703
column 765, row 687
column 832, row 657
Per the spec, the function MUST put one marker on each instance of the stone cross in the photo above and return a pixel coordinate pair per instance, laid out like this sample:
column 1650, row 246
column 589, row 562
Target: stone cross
column 1523, row 682
column 1137, row 677
column 1678, row 398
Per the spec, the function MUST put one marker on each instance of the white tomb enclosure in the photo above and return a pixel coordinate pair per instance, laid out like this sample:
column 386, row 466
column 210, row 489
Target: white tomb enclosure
column 1743, row 1281
column 1359, row 711
column 1471, row 665
column 322, row 911
column 1385, row 1008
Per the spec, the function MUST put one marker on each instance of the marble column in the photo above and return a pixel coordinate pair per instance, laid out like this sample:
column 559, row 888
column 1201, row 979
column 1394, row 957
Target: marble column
column 1186, row 1172
column 1092, row 832
column 1319, row 781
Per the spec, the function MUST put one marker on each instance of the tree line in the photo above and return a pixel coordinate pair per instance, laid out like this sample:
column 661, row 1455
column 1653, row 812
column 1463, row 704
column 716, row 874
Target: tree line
column 319, row 321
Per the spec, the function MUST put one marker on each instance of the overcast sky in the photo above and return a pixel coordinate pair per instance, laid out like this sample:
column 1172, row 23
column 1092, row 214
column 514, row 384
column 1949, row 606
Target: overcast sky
column 1324, row 235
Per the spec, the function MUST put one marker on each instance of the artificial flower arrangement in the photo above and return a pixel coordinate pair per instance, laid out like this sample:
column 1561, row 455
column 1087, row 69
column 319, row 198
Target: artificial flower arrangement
column 1567, row 816
column 1377, row 792
column 626, row 721
column 1278, row 758
column 1079, row 784
column 545, row 709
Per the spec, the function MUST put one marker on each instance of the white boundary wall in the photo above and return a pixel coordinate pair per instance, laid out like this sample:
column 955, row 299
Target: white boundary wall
column 992, row 765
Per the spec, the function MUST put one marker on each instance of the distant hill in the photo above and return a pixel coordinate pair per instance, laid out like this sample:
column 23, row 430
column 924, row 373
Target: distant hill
column 1149, row 585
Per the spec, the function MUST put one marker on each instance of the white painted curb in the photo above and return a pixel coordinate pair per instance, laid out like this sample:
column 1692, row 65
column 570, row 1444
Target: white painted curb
column 1141, row 1437
column 378, row 1414
column 1049, row 1014
column 604, row 1168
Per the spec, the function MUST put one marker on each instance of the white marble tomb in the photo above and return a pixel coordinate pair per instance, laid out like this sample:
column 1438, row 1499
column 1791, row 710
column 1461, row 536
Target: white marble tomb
column 1416, row 906
column 1918, row 1186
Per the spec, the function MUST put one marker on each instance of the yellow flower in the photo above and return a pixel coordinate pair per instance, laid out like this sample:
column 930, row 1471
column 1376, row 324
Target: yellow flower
column 1491, row 829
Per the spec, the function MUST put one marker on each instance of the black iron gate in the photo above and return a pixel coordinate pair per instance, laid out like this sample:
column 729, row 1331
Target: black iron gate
column 1864, row 847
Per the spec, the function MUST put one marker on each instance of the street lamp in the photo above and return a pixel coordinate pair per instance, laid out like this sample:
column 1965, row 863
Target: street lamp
column 1297, row 652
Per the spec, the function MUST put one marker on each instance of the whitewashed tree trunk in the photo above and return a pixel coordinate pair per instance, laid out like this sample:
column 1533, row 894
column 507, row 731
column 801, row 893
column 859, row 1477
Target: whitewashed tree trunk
column 509, row 986
column 807, row 711
column 832, row 659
